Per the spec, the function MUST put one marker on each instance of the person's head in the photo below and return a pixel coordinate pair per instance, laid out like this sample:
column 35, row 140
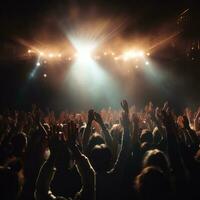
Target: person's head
column 151, row 183
column 157, row 159
column 146, row 136
column 145, row 146
column 19, row 143
column 95, row 139
column 101, row 158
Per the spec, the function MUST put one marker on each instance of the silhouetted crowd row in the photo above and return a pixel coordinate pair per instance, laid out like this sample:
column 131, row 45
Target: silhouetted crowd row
column 114, row 154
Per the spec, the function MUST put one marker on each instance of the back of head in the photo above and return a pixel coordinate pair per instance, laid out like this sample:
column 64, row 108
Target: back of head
column 152, row 184
column 157, row 159
column 101, row 158
column 95, row 139
column 146, row 136
column 19, row 143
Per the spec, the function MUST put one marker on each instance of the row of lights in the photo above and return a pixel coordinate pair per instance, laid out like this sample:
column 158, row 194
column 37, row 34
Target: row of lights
column 125, row 56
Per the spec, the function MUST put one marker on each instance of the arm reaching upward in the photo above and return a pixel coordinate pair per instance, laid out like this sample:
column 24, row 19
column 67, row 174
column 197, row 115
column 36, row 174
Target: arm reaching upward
column 108, row 137
column 126, row 141
column 47, row 170
column 87, row 132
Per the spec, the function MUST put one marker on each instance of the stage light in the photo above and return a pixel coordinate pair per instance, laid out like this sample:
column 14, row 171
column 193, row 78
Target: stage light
column 84, row 52
column 29, row 51
column 51, row 55
column 44, row 75
column 146, row 63
column 128, row 55
column 148, row 54
column 132, row 54
column 41, row 53
column 38, row 64
column 84, row 48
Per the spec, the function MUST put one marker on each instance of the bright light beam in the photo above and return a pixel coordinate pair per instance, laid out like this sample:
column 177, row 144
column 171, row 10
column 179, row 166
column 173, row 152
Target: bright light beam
column 86, row 80
column 84, row 48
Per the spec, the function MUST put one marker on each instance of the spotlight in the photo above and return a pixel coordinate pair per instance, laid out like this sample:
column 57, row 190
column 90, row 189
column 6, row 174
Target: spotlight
column 84, row 52
column 128, row 55
column 38, row 64
column 41, row 53
column 51, row 55
column 44, row 75
column 148, row 54
column 132, row 54
column 84, row 48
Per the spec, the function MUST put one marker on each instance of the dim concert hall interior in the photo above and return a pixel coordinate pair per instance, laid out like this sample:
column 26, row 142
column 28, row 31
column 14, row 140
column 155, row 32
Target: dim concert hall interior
column 100, row 99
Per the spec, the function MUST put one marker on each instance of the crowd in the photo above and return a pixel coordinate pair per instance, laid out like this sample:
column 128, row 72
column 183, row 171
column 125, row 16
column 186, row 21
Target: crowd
column 114, row 154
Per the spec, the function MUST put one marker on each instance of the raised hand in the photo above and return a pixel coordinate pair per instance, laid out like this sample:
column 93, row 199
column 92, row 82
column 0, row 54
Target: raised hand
column 72, row 133
column 98, row 118
column 197, row 114
column 157, row 113
column 166, row 106
column 124, row 105
column 90, row 115
column 166, row 115
column 125, row 120
column 186, row 122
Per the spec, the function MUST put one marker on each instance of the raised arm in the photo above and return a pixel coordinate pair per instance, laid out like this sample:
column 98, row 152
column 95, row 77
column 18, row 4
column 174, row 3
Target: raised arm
column 196, row 121
column 86, row 171
column 45, row 177
column 173, row 145
column 108, row 137
column 126, row 141
column 87, row 132
column 47, row 171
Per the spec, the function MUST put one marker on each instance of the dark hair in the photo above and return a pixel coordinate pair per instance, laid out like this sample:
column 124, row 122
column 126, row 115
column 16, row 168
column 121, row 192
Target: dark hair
column 146, row 136
column 151, row 183
column 101, row 158
column 157, row 159
column 95, row 139
column 19, row 143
